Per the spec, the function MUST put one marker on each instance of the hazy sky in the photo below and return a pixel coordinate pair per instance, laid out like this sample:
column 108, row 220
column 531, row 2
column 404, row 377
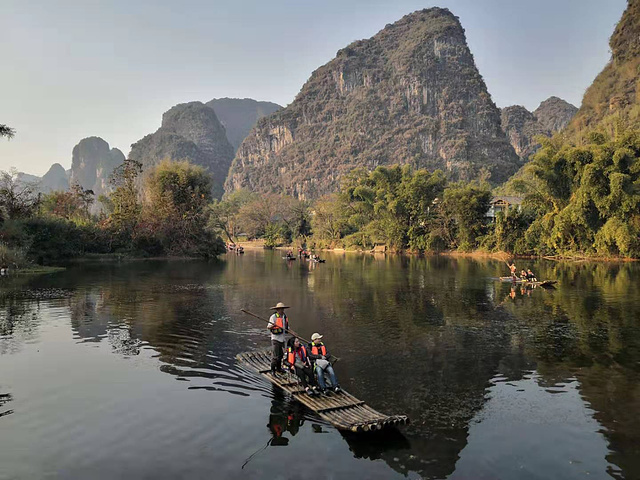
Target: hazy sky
column 73, row 69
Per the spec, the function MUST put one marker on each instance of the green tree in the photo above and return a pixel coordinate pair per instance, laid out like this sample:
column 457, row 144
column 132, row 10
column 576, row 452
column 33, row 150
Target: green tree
column 177, row 195
column 274, row 213
column 390, row 205
column 587, row 197
column 328, row 223
column 124, row 201
column 509, row 231
column 224, row 213
column 464, row 207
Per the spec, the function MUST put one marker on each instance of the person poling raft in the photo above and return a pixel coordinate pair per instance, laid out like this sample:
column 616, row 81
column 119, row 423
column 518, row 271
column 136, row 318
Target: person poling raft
column 278, row 326
column 343, row 410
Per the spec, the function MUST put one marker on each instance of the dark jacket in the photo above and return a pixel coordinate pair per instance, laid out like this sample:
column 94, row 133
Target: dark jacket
column 313, row 357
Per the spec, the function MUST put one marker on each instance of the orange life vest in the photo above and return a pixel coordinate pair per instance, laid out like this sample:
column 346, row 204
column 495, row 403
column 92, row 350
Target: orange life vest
column 281, row 325
column 318, row 347
column 291, row 355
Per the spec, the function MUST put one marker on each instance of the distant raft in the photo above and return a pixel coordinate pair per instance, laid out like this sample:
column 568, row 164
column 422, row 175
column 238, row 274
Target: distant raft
column 342, row 410
column 545, row 283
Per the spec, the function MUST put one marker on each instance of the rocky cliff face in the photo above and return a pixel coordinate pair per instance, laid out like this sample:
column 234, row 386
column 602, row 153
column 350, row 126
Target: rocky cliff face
column 522, row 127
column 189, row 131
column 411, row 94
column 239, row 116
column 92, row 164
column 615, row 93
column 55, row 179
column 554, row 114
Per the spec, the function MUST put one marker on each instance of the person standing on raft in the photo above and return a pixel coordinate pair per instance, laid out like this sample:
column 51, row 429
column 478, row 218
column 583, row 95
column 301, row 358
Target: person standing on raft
column 279, row 327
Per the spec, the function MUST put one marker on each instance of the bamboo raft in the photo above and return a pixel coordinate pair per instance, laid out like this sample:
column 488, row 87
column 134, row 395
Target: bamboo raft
column 342, row 410
column 545, row 283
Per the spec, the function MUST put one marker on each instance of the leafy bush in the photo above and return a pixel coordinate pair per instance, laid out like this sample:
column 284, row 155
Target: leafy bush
column 12, row 257
column 53, row 240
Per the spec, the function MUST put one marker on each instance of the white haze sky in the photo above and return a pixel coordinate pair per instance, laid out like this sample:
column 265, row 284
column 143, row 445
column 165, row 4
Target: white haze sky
column 73, row 69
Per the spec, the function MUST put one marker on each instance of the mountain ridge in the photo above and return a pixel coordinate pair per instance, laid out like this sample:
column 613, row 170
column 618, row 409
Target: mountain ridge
column 410, row 94
column 189, row 131
column 522, row 126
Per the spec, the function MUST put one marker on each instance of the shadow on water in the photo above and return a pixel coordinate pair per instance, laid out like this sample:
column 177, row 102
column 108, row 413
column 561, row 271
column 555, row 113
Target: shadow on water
column 436, row 339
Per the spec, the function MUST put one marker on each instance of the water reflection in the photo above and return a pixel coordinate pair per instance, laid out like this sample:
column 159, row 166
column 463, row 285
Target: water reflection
column 435, row 338
column 284, row 417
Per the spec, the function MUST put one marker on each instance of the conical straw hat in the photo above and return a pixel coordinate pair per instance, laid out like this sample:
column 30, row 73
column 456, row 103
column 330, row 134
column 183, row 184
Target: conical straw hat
column 279, row 305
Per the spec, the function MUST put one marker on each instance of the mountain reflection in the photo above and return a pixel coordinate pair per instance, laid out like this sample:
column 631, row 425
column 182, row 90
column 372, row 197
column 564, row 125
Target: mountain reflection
column 426, row 337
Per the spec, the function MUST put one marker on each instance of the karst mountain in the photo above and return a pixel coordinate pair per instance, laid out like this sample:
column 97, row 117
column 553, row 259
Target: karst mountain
column 189, row 131
column 522, row 126
column 614, row 96
column 411, row 94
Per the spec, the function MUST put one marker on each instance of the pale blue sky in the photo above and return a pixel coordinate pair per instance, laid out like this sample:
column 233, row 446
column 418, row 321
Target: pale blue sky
column 72, row 69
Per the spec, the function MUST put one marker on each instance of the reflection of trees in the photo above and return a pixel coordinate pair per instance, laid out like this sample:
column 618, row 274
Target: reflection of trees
column 19, row 313
column 424, row 336
column 421, row 336
column 589, row 329
column 173, row 308
column 415, row 336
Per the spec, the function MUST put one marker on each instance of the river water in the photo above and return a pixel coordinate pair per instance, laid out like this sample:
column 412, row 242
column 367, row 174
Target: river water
column 127, row 370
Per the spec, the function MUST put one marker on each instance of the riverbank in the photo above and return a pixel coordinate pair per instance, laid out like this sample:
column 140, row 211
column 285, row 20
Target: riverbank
column 36, row 270
column 502, row 256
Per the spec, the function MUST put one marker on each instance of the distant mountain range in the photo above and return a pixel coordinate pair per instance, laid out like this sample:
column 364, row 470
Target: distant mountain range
column 190, row 131
column 411, row 94
column 92, row 162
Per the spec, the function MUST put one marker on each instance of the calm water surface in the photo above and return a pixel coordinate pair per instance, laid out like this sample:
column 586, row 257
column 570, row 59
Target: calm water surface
column 127, row 370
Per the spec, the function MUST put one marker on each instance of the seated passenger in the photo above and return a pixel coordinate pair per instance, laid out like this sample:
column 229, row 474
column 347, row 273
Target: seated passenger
column 531, row 276
column 298, row 362
column 320, row 357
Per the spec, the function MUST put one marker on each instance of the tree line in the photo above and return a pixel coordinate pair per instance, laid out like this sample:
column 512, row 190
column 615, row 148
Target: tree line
column 577, row 200
column 395, row 206
column 165, row 211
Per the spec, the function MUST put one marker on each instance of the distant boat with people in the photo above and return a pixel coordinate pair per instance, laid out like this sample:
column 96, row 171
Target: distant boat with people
column 544, row 283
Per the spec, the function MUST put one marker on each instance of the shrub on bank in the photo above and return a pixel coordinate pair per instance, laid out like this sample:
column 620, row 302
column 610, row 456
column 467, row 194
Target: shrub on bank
column 12, row 257
column 52, row 240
